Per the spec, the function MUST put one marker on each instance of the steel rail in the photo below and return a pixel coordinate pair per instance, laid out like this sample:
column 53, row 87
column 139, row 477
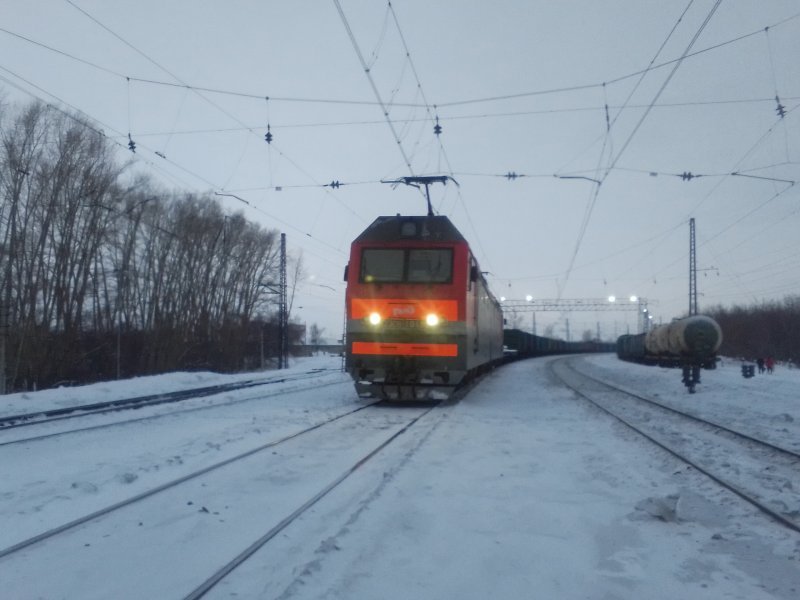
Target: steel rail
column 737, row 490
column 36, row 438
column 691, row 416
column 81, row 410
column 170, row 484
column 226, row 569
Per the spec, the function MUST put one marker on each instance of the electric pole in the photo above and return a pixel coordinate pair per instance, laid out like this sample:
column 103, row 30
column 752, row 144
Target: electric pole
column 692, row 270
column 283, row 316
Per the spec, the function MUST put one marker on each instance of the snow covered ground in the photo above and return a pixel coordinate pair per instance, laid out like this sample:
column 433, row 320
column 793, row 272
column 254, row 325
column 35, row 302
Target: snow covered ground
column 64, row 397
column 520, row 490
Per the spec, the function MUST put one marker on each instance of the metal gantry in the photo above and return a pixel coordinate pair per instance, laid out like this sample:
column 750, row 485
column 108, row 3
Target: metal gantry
column 610, row 304
column 573, row 305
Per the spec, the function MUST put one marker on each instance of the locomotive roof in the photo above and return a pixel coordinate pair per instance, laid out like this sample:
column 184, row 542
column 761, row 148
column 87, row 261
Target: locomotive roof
column 435, row 228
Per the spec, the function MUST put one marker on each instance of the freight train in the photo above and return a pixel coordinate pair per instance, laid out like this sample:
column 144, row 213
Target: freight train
column 520, row 344
column 420, row 318
column 689, row 344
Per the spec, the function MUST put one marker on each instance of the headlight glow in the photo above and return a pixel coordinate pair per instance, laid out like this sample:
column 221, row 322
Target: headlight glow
column 374, row 318
column 432, row 320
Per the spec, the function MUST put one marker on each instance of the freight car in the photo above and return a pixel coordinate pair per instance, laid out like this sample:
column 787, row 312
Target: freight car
column 520, row 344
column 420, row 316
column 689, row 344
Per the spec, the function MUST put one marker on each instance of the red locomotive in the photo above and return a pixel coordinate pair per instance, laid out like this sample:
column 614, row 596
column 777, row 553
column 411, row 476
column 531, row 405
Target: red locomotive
column 420, row 316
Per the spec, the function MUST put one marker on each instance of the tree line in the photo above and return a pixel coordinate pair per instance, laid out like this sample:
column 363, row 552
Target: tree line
column 761, row 330
column 104, row 274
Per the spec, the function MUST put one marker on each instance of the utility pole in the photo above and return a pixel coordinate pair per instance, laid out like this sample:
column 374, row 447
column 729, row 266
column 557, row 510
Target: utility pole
column 5, row 302
column 283, row 317
column 4, row 320
column 692, row 270
column 8, row 250
column 4, row 325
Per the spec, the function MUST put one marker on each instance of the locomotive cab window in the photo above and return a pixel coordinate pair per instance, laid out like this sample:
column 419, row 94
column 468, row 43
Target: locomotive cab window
column 419, row 265
column 430, row 266
column 382, row 266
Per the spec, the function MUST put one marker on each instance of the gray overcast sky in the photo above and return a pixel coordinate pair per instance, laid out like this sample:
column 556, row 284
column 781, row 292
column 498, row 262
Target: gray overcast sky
column 518, row 88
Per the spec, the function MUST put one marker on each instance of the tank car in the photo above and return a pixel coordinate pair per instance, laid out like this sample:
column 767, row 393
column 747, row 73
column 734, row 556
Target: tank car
column 420, row 316
column 690, row 344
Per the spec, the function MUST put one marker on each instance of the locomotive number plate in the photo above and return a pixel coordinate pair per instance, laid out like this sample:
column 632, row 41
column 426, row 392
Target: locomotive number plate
column 402, row 323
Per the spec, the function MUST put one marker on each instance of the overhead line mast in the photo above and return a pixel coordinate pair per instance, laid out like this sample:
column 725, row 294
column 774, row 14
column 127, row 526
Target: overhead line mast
column 692, row 270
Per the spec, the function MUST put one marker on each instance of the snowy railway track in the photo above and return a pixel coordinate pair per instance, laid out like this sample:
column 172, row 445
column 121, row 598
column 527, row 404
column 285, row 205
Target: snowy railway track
column 758, row 471
column 83, row 410
column 262, row 491
column 254, row 547
column 170, row 485
column 44, row 419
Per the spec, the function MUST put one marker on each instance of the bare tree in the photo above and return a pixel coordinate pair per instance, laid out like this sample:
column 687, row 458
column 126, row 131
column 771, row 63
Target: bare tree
column 100, row 274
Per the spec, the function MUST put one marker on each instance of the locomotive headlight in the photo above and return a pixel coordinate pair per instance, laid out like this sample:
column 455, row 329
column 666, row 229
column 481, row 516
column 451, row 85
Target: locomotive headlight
column 432, row 320
column 374, row 318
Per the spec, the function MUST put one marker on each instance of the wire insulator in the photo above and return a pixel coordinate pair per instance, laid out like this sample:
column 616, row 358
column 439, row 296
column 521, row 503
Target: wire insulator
column 437, row 129
column 131, row 144
column 268, row 135
column 780, row 109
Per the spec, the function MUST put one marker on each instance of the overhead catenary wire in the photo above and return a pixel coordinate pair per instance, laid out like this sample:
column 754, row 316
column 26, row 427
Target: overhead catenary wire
column 756, row 209
column 649, row 68
column 295, row 99
column 736, row 168
column 475, row 116
column 780, row 108
column 374, row 87
column 665, row 83
column 382, row 103
column 413, row 158
column 148, row 58
column 437, row 131
column 633, row 133
column 454, row 117
column 180, row 81
column 155, row 166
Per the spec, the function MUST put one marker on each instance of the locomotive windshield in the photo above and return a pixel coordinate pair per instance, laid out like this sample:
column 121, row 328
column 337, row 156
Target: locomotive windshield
column 382, row 266
column 432, row 266
column 428, row 265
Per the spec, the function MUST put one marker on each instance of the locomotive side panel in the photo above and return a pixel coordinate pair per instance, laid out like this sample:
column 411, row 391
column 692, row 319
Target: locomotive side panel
column 484, row 321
